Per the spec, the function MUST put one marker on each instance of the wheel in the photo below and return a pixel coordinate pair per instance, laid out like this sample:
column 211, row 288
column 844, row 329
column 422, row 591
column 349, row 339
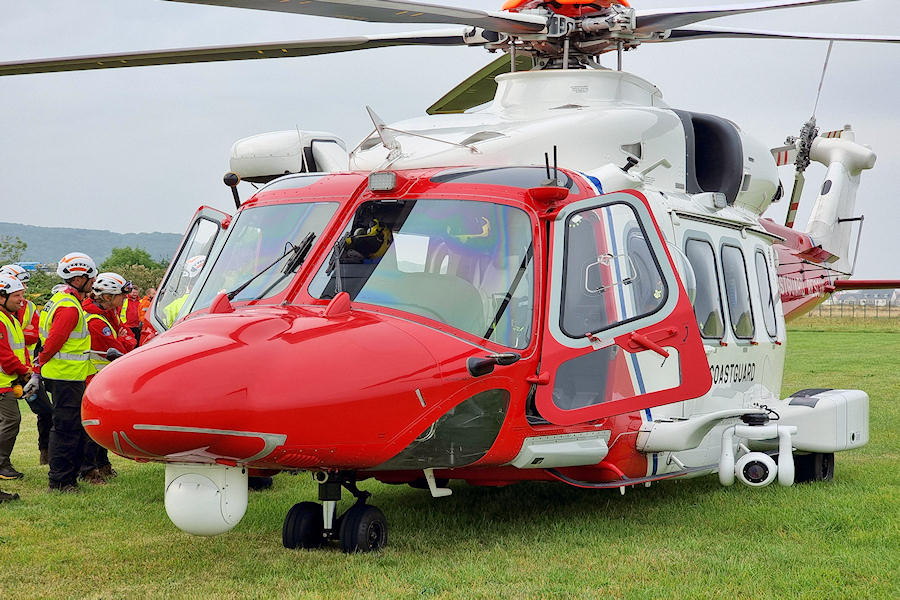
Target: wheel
column 815, row 466
column 256, row 484
column 303, row 526
column 363, row 529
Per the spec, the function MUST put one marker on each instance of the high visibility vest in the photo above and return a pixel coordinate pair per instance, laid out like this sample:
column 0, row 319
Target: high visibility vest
column 73, row 361
column 13, row 333
column 98, row 362
column 124, row 312
column 172, row 309
column 30, row 309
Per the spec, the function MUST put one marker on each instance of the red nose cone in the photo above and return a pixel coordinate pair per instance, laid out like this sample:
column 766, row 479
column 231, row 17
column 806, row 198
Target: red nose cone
column 283, row 388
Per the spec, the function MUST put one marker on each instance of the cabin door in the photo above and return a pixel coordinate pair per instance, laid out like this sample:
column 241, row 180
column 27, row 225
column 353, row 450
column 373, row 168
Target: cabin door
column 620, row 333
column 203, row 239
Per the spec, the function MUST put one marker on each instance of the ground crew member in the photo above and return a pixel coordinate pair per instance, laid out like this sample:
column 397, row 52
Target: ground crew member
column 192, row 268
column 145, row 304
column 65, row 365
column 15, row 369
column 38, row 401
column 102, row 310
column 130, row 313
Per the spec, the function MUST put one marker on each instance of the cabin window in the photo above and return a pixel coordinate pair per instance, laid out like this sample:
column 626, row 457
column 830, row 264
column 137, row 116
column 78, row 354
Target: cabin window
column 737, row 290
column 708, row 300
column 610, row 274
column 766, row 297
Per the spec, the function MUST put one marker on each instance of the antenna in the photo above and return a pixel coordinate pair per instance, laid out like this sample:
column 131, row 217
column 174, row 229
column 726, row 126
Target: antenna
column 554, row 180
column 555, row 171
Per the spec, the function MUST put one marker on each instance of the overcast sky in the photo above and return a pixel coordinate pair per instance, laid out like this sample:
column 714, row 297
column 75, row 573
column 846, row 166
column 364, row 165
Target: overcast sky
column 140, row 149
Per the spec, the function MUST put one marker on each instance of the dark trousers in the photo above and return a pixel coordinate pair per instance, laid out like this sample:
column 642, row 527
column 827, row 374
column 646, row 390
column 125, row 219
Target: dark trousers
column 67, row 434
column 137, row 333
column 40, row 406
column 10, row 417
column 95, row 456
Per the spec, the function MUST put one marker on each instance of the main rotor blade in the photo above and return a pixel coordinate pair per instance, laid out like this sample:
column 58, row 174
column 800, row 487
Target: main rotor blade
column 393, row 11
column 446, row 37
column 693, row 33
column 650, row 20
column 479, row 87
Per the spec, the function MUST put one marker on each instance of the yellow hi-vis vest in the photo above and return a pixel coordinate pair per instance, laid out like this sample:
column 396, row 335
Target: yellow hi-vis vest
column 73, row 361
column 170, row 312
column 16, row 340
column 30, row 309
column 124, row 311
column 98, row 362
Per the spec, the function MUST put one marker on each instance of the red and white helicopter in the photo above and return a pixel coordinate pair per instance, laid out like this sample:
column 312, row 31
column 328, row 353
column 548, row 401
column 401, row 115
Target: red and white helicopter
column 444, row 301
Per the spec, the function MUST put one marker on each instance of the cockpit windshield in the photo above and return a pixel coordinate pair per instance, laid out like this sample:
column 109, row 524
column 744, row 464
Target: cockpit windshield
column 258, row 236
column 463, row 263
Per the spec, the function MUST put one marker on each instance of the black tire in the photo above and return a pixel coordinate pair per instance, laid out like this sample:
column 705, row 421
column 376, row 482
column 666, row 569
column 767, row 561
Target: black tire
column 255, row 484
column 815, row 466
column 363, row 529
column 303, row 526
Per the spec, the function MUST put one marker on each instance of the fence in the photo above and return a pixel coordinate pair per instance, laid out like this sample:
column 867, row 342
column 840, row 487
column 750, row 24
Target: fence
column 846, row 310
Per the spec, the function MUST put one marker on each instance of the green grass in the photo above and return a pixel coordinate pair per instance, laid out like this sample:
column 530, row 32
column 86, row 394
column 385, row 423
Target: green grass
column 687, row 539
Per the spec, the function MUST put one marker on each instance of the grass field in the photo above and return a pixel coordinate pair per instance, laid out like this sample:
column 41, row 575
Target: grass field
column 687, row 539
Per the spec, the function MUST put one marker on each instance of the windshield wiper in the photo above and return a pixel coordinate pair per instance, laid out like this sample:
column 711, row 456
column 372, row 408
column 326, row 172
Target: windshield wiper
column 334, row 265
column 300, row 251
column 512, row 289
column 293, row 264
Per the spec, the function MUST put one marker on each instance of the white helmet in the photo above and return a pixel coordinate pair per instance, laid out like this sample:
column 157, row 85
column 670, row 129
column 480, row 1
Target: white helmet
column 111, row 283
column 58, row 288
column 10, row 285
column 75, row 264
column 15, row 271
column 193, row 266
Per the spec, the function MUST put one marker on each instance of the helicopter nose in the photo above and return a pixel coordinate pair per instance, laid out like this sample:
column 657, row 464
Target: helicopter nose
column 288, row 392
column 181, row 399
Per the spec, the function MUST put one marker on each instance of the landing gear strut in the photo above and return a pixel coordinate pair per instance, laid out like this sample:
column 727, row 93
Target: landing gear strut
column 362, row 527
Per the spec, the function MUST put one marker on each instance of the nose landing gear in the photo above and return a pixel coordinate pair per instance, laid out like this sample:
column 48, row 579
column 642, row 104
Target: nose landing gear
column 362, row 527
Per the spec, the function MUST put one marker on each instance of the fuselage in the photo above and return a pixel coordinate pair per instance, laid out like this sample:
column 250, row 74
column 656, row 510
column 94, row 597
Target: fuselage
column 282, row 383
column 623, row 297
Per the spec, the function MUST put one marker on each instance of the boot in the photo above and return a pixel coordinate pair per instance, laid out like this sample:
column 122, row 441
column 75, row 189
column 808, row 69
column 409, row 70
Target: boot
column 63, row 489
column 4, row 497
column 8, row 472
column 45, row 457
column 107, row 472
column 93, row 476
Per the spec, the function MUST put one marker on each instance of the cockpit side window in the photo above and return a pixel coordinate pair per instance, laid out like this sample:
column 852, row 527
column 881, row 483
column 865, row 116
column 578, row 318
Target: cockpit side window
column 185, row 271
column 466, row 264
column 708, row 301
column 737, row 291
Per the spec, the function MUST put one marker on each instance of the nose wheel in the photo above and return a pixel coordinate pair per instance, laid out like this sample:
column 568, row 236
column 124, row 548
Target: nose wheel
column 361, row 528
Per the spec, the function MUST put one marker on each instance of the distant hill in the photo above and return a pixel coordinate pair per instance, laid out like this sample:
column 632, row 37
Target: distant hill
column 49, row 244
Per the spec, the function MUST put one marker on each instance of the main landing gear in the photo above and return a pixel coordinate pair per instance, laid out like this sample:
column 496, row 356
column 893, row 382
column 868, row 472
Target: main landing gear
column 362, row 527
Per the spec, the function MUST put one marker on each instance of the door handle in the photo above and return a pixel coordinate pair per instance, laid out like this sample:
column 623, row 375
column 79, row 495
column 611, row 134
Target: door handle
column 641, row 340
column 542, row 378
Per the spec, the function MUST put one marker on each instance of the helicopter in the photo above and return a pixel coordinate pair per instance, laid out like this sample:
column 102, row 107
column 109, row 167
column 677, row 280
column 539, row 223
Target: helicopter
column 446, row 302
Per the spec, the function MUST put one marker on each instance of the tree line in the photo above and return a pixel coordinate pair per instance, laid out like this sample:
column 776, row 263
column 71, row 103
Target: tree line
column 134, row 264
